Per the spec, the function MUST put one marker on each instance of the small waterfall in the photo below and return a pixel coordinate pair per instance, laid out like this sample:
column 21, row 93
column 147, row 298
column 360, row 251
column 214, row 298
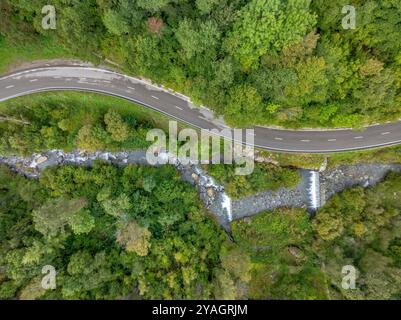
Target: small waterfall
column 226, row 205
column 314, row 190
column 205, row 182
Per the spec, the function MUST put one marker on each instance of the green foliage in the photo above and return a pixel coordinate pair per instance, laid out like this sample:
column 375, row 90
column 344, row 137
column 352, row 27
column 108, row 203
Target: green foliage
column 195, row 41
column 153, row 5
column 53, row 216
column 236, row 261
column 134, row 238
column 159, row 246
column 81, row 27
column 283, row 264
column 117, row 207
column 115, row 23
column 116, row 126
column 60, row 121
column 168, row 249
column 240, row 57
column 267, row 26
column 82, row 222
column 284, row 62
column 382, row 155
column 362, row 228
column 242, row 101
column 86, row 272
column 206, row 6
column 264, row 177
column 394, row 251
column 91, row 138
column 110, row 232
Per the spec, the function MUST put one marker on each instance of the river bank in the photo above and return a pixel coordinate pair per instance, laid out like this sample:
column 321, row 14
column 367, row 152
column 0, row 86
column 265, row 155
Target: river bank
column 212, row 194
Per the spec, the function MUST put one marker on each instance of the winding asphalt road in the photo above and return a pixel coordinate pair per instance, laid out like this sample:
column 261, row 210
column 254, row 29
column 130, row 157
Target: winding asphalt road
column 50, row 78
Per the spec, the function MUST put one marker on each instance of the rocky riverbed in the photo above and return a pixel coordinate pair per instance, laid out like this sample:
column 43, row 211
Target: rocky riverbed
column 211, row 193
column 331, row 182
column 364, row 175
column 269, row 200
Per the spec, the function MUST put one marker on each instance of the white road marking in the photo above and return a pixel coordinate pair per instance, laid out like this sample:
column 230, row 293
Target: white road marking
column 11, row 86
column 154, row 97
column 179, row 108
column 305, row 140
column 252, row 134
column 203, row 118
column 359, row 137
column 305, row 149
column 279, row 139
column 385, row 133
column 331, row 140
column 131, row 88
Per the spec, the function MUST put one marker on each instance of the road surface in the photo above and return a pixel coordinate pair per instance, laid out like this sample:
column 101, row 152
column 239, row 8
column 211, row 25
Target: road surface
column 50, row 78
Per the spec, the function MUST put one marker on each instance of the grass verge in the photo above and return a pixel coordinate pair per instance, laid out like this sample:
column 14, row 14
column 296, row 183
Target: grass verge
column 14, row 53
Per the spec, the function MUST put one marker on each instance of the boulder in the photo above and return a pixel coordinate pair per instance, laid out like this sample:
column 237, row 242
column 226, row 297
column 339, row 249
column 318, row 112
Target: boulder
column 195, row 177
column 210, row 192
column 41, row 159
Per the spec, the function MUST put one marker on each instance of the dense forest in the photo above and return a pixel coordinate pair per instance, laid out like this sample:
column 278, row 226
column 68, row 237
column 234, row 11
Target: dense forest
column 71, row 121
column 109, row 233
column 141, row 232
column 362, row 227
column 294, row 257
column 285, row 62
